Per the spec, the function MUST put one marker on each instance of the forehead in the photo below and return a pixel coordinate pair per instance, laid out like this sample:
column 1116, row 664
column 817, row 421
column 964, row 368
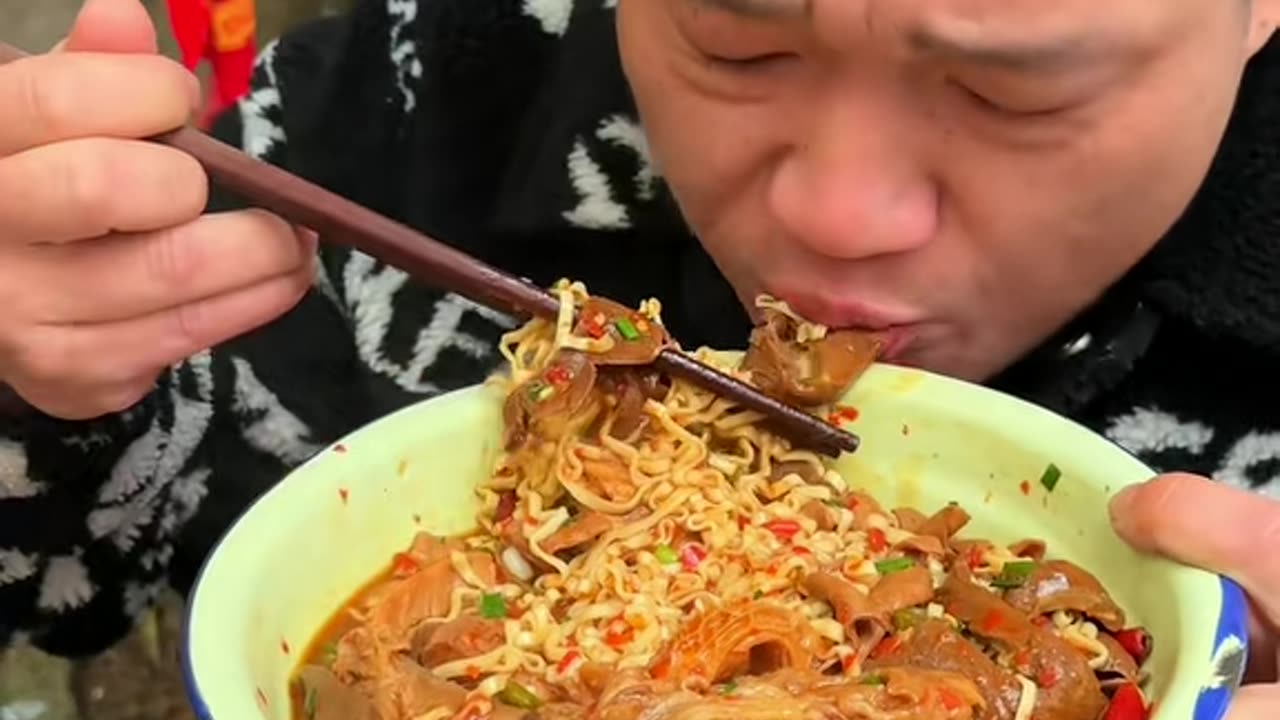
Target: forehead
column 1004, row 20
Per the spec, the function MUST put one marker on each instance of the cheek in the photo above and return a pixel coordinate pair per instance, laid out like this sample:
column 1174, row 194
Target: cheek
column 1061, row 226
column 714, row 157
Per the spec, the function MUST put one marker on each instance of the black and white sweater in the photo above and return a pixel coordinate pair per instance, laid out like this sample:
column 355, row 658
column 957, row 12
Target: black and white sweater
column 506, row 126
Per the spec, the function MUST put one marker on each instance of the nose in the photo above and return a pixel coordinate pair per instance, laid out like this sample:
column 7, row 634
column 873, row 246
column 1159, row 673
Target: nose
column 851, row 188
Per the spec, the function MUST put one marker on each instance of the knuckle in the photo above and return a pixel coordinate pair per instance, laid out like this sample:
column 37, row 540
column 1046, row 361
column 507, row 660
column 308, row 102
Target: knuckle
column 191, row 324
column 44, row 100
column 88, row 184
column 172, row 257
column 45, row 357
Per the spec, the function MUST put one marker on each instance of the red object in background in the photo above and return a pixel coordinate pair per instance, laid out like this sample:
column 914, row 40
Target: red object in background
column 223, row 33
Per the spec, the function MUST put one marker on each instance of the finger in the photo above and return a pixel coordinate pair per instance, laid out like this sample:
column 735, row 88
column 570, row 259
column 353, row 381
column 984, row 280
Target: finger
column 127, row 276
column 116, row 26
column 47, row 361
column 1199, row 522
column 61, row 96
column 91, row 187
column 86, row 401
column 183, row 331
column 1255, row 702
column 1261, row 666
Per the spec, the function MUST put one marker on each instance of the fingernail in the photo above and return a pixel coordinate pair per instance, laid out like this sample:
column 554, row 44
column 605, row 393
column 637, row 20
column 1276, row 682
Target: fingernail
column 310, row 239
column 1121, row 507
column 197, row 93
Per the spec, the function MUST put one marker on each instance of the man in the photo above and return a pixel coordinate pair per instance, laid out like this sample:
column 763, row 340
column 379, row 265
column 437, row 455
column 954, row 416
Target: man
column 1074, row 206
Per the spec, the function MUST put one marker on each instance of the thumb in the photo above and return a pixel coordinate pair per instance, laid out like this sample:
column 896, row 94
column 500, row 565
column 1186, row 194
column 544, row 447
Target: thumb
column 1255, row 702
column 1199, row 522
column 112, row 26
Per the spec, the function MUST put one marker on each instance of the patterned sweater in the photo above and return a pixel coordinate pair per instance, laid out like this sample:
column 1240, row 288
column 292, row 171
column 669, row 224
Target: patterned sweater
column 506, row 126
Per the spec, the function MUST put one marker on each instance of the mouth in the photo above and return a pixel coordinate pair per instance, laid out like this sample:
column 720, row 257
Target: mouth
column 897, row 330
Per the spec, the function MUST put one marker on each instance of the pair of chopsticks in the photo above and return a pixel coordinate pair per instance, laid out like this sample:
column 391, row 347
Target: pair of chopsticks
column 340, row 221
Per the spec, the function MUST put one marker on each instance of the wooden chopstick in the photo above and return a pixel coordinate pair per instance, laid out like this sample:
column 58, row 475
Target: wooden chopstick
column 339, row 220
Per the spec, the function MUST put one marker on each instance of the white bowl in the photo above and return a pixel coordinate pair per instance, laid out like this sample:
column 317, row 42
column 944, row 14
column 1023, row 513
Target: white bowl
column 307, row 545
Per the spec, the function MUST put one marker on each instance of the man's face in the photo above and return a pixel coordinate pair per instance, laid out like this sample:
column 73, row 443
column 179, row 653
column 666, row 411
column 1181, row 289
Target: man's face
column 964, row 174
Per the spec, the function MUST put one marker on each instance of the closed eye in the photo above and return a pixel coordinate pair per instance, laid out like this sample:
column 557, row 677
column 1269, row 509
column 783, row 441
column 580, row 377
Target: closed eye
column 752, row 62
column 1004, row 109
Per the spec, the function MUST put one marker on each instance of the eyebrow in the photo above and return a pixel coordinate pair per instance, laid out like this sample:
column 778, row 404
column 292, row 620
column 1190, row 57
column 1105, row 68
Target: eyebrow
column 1013, row 56
column 764, row 9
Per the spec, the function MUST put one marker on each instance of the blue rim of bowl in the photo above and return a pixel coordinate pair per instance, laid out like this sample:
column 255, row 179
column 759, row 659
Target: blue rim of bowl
column 1230, row 652
column 194, row 697
column 1230, row 638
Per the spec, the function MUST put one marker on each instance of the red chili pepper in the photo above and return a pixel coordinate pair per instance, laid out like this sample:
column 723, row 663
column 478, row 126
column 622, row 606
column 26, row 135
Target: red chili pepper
column 802, row 551
column 567, row 661
column 1025, row 487
column 661, row 669
column 619, row 633
column 886, row 647
column 784, row 530
column 691, row 556
column 1127, row 704
column 1137, row 642
column 1048, row 677
column 991, row 621
column 1022, row 661
column 973, row 558
column 506, row 507
column 742, row 522
column 950, row 699
column 876, row 540
column 843, row 413
column 558, row 375
column 474, row 672
column 846, row 663
column 404, row 565
column 594, row 325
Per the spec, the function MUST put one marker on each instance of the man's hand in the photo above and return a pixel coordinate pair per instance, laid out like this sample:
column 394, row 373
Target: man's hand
column 1202, row 523
column 109, row 270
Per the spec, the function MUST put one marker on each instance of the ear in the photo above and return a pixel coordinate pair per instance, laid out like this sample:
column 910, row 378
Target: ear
column 1263, row 24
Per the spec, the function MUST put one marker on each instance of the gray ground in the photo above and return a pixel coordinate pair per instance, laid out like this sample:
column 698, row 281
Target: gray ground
column 139, row 679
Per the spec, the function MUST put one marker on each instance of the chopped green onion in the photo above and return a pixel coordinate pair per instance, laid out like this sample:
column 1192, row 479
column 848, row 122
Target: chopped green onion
column 907, row 618
column 493, row 606
column 729, row 687
column 1014, row 574
column 517, row 695
column 666, row 555
column 872, row 680
column 1051, row 477
column 309, row 704
column 626, row 329
column 757, row 594
column 539, row 391
column 893, row 565
column 329, row 655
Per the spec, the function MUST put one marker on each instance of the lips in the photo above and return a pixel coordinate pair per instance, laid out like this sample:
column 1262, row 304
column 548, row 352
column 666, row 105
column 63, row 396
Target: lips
column 842, row 313
column 895, row 329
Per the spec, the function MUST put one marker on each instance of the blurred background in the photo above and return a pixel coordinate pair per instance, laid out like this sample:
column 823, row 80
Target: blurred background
column 139, row 679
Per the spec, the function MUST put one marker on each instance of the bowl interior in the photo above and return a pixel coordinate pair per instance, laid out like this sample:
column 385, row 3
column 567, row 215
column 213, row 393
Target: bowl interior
column 309, row 543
